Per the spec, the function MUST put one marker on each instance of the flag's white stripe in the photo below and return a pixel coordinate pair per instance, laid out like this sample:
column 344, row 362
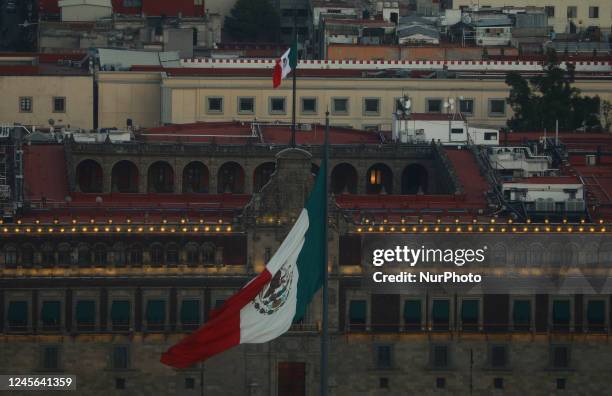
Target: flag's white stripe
column 256, row 327
column 285, row 63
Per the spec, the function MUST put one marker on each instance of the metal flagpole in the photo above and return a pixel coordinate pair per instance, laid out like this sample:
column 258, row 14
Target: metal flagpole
column 325, row 324
column 294, row 46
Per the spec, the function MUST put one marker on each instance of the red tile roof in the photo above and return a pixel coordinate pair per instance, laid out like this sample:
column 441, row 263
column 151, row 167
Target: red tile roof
column 45, row 172
column 474, row 184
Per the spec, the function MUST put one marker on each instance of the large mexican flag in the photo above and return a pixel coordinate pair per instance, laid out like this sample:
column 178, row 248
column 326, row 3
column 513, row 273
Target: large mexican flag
column 266, row 306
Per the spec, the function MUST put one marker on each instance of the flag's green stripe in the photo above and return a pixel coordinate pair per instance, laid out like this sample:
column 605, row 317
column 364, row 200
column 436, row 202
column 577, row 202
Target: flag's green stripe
column 312, row 257
column 293, row 55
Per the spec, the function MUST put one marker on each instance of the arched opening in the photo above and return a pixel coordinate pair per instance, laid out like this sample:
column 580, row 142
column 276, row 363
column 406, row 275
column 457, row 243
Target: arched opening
column 414, row 179
column 192, row 253
column 344, row 179
column 119, row 255
column 379, row 180
column 230, row 179
column 100, row 256
column 156, row 255
column 262, row 175
column 160, row 178
column 195, row 178
column 208, row 253
column 172, row 254
column 84, row 255
column 135, row 255
column 124, row 177
column 89, row 176
column 27, row 256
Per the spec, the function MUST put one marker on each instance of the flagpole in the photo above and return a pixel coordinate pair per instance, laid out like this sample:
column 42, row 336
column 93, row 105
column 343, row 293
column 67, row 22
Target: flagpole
column 294, row 45
column 325, row 324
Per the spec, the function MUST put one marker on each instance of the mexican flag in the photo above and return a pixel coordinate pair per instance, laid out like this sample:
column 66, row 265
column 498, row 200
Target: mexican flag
column 266, row 306
column 284, row 65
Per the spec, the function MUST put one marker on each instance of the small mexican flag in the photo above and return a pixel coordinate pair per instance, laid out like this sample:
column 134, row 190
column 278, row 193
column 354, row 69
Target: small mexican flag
column 284, row 65
column 265, row 308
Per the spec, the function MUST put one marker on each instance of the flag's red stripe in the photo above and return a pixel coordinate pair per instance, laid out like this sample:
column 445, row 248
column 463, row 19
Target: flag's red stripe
column 220, row 333
column 278, row 74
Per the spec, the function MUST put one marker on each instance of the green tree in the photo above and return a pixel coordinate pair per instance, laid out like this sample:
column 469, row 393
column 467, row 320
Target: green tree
column 539, row 102
column 253, row 21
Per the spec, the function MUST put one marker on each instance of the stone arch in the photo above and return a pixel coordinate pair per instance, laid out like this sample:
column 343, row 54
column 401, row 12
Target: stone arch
column 124, row 177
column 262, row 175
column 27, row 255
column 83, row 255
column 344, row 179
column 208, row 253
column 135, row 255
column 89, row 176
column 119, row 254
column 100, row 255
column 499, row 254
column 160, row 178
column 415, row 180
column 173, row 254
column 48, row 255
column 156, row 254
column 379, row 179
column 230, row 178
column 537, row 256
column 196, row 178
column 64, row 254
column 10, row 255
column 192, row 253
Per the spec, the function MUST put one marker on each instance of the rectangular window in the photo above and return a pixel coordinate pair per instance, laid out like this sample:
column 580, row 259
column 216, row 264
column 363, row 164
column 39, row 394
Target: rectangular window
column 498, row 356
column 50, row 358
column 215, row 105
column 490, row 136
column 439, row 357
column 121, row 357
column 10, row 257
column 246, row 105
column 596, row 315
column 120, row 315
column 291, row 379
column 85, row 315
column 340, row 106
column 25, row 104
column 572, row 11
column 412, row 314
column 309, row 105
column 561, row 314
column 470, row 314
column 457, row 131
column 560, row 356
column 440, row 314
column 59, row 104
column 593, row 12
column 433, row 105
column 17, row 315
column 50, row 315
column 190, row 313
column 357, row 315
column 550, row 11
column 383, row 356
column 155, row 314
column 521, row 315
column 497, row 107
column 466, row 106
column 278, row 106
column 371, row 106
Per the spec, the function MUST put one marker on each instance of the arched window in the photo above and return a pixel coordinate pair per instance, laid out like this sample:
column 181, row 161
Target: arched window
column 172, row 254
column 64, row 255
column 100, row 256
column 89, row 176
column 344, row 179
column 124, row 177
column 27, row 256
column 48, row 255
column 135, row 255
column 380, row 180
column 414, row 180
column 84, row 255
column 230, row 179
column 157, row 254
column 119, row 255
column 195, row 178
column 160, row 178
column 208, row 253
column 193, row 254
column 10, row 256
column 262, row 175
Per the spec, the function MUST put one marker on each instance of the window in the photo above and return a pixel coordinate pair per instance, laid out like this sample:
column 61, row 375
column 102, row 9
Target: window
column 550, row 11
column 10, row 256
column 383, row 356
column 560, row 383
column 246, row 105
column 190, row 313
column 440, row 312
column 498, row 357
column 278, row 106
column 119, row 256
column 340, row 106
column 100, row 255
column 593, row 12
column 466, row 106
column 27, row 256
column 85, row 315
column 291, row 379
column 457, row 131
column 596, row 315
column 439, row 356
column 497, row 107
column 440, row 382
column 189, row 383
column 433, row 105
column 17, row 315
column 383, row 383
column 84, row 256
column 135, row 255
column 155, row 314
column 215, row 105
column 193, row 255
column 521, row 314
column 25, row 104
column 561, row 315
column 498, row 383
column 412, row 314
column 572, row 11
column 59, row 104
column 490, row 136
column 172, row 255
column 120, row 315
column 50, row 315
column 119, row 383
column 50, row 358
column 121, row 357
column 309, row 105
column 157, row 255
column 371, row 106
column 64, row 256
column 357, row 315
column 559, row 356
column 470, row 314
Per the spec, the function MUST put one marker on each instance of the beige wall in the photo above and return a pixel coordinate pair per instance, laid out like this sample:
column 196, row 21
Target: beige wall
column 78, row 91
column 560, row 20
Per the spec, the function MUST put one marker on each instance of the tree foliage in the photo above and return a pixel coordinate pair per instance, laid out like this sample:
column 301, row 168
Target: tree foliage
column 253, row 21
column 539, row 102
